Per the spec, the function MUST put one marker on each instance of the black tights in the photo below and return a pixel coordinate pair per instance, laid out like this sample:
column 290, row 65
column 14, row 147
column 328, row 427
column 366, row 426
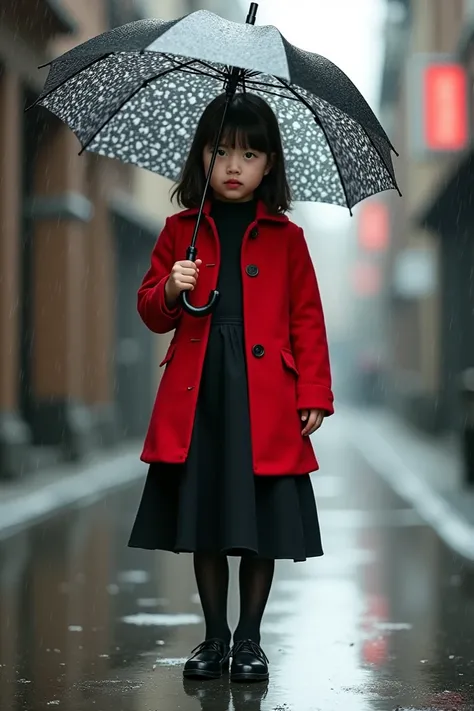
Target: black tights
column 255, row 582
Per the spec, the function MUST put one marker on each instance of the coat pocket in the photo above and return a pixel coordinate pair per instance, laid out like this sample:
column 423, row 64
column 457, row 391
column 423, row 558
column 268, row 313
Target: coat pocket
column 169, row 354
column 289, row 361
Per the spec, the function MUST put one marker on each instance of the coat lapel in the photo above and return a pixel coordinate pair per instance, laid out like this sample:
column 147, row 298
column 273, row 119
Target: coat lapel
column 263, row 215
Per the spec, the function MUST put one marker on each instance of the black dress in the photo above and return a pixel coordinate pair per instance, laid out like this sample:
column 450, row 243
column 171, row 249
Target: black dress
column 214, row 502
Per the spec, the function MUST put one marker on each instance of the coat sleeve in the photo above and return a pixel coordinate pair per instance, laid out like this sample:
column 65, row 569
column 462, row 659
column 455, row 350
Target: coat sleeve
column 308, row 331
column 151, row 294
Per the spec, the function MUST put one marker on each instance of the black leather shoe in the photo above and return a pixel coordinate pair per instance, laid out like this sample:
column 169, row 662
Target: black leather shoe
column 249, row 662
column 208, row 660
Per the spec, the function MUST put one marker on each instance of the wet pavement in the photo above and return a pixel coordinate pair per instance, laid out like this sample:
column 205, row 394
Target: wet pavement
column 384, row 621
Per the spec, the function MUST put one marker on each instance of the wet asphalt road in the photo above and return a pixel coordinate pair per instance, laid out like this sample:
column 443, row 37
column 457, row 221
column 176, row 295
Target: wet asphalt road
column 384, row 621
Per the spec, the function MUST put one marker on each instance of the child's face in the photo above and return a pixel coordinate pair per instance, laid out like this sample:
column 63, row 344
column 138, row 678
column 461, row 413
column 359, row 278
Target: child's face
column 237, row 172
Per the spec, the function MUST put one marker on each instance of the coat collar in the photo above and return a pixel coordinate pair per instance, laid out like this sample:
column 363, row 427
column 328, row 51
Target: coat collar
column 262, row 213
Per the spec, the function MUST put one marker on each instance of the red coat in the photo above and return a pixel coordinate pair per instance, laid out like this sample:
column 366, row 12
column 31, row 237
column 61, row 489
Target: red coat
column 282, row 314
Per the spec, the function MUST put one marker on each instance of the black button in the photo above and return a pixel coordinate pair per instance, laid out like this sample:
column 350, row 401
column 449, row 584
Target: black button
column 258, row 351
column 254, row 233
column 252, row 270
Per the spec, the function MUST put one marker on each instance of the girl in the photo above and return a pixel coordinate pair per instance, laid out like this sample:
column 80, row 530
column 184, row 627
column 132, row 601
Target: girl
column 228, row 443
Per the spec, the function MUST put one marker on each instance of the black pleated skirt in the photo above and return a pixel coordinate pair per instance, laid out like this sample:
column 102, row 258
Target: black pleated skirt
column 214, row 502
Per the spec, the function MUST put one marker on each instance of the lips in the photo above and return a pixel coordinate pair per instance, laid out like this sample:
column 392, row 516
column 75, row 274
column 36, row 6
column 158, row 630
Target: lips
column 233, row 183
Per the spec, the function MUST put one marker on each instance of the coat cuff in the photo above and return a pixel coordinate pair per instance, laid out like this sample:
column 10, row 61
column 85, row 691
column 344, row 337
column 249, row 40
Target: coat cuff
column 160, row 295
column 314, row 397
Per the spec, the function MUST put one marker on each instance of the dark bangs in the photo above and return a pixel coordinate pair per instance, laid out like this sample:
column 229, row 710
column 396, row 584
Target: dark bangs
column 244, row 127
column 250, row 123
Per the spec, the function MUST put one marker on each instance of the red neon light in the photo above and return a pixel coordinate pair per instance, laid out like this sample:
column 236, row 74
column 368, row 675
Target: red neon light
column 374, row 227
column 446, row 121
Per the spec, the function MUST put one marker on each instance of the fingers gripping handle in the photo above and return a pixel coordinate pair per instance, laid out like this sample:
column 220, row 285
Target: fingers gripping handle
column 214, row 296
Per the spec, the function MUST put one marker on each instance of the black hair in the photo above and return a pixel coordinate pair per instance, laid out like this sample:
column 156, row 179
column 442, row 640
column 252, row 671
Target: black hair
column 251, row 123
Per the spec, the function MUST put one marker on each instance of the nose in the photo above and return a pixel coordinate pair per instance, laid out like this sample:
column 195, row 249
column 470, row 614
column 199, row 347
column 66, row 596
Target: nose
column 233, row 166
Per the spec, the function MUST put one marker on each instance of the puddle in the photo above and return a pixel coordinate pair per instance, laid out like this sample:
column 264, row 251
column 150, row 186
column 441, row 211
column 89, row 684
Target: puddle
column 144, row 619
column 135, row 577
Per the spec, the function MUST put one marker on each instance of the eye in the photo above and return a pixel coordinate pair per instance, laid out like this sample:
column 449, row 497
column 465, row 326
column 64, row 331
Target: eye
column 221, row 152
column 249, row 154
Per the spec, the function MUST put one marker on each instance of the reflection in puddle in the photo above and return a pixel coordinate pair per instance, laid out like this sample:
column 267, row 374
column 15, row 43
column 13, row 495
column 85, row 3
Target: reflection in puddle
column 152, row 602
column 169, row 662
column 392, row 626
column 79, row 626
column 156, row 620
column 133, row 577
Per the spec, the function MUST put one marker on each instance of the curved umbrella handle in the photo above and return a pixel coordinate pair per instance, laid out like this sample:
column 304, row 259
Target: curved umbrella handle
column 214, row 296
column 205, row 310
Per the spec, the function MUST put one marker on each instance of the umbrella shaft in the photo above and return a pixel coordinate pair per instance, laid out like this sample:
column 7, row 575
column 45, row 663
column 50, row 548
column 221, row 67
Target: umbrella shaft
column 231, row 88
column 192, row 248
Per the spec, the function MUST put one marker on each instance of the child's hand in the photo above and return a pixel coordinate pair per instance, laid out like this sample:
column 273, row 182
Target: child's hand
column 313, row 419
column 183, row 277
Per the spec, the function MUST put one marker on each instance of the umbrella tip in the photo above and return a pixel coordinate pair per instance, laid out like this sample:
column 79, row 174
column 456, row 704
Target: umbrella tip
column 252, row 16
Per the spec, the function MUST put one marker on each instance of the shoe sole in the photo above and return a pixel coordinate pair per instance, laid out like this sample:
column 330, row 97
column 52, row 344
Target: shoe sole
column 249, row 677
column 202, row 674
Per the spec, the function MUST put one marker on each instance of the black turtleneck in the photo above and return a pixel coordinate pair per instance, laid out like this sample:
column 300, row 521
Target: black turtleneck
column 232, row 220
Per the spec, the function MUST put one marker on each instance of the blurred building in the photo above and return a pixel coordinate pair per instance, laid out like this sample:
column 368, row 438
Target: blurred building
column 422, row 281
column 78, row 370
column 67, row 226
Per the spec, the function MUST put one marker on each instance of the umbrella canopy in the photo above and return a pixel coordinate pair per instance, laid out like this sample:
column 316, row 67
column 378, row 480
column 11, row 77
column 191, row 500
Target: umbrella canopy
column 136, row 93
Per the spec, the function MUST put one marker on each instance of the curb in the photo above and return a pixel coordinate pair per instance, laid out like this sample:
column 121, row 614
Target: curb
column 380, row 453
column 75, row 485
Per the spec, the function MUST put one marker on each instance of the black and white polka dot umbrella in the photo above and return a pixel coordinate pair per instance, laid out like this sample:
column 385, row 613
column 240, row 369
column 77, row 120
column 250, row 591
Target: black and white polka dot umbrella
column 136, row 93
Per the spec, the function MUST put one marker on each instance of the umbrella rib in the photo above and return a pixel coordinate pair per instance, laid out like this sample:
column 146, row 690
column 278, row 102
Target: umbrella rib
column 214, row 69
column 392, row 177
column 261, row 83
column 319, row 122
column 130, row 96
column 197, row 61
column 258, row 84
column 42, row 97
column 199, row 73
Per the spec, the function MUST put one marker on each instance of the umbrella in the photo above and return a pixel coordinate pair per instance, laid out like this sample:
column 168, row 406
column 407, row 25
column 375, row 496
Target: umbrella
column 136, row 93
